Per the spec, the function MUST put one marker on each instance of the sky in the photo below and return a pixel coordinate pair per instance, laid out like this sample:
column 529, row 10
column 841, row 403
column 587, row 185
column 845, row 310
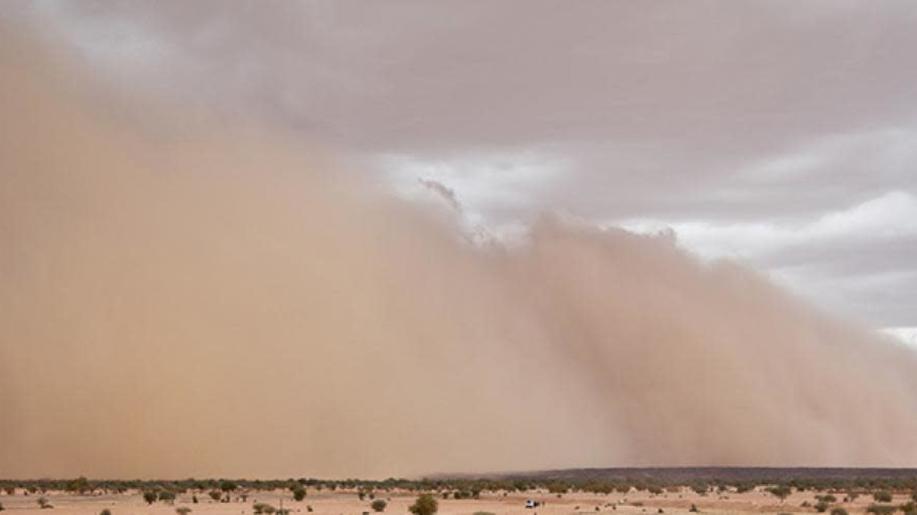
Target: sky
column 779, row 134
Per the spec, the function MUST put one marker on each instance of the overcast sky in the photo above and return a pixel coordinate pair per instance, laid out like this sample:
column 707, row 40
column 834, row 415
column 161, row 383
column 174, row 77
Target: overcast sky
column 781, row 134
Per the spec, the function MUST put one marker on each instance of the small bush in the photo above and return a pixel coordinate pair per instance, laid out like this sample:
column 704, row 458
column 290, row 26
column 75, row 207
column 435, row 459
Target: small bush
column 183, row 510
column 881, row 509
column 263, row 508
column 167, row 496
column 821, row 506
column 839, row 511
column 299, row 493
column 780, row 491
column 216, row 495
column 694, row 509
column 882, row 496
column 43, row 503
column 378, row 505
column 1, row 507
column 150, row 496
column 106, row 511
column 424, row 505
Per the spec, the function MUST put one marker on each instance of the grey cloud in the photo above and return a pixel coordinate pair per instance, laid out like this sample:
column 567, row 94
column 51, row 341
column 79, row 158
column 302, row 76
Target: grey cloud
column 757, row 112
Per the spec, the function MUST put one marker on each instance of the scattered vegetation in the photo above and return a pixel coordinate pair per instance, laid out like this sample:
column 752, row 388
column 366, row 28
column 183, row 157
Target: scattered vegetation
column 881, row 509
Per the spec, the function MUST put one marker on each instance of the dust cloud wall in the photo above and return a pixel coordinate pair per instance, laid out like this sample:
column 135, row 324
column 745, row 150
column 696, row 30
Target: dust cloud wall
column 183, row 296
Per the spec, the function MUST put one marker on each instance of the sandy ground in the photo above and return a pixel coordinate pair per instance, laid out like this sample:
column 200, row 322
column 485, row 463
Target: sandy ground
column 347, row 503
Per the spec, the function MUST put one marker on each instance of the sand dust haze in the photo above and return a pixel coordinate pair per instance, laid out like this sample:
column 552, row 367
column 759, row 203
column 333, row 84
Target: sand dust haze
column 191, row 299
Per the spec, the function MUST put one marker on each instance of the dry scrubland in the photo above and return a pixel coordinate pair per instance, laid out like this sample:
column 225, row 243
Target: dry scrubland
column 348, row 502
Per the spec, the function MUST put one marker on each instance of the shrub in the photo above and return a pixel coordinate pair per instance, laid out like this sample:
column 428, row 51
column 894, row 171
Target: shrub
column 821, row 506
column 299, row 493
column 882, row 496
column 43, row 503
column 839, row 511
column 1, row 506
column 167, row 496
column 424, row 505
column 194, row 499
column 183, row 510
column 694, row 509
column 881, row 509
column 106, row 511
column 216, row 495
column 227, row 486
column 150, row 496
column 378, row 505
column 484, row 513
column 780, row 491
column 261, row 507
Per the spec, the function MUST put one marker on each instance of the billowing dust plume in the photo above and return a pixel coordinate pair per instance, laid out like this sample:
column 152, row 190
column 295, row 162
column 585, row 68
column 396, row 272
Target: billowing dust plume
column 181, row 299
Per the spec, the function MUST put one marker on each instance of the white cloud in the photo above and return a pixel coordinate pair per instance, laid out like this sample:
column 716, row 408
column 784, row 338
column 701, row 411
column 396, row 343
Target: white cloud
column 892, row 215
column 907, row 335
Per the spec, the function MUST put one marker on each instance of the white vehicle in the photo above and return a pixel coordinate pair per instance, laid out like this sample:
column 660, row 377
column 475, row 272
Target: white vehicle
column 529, row 503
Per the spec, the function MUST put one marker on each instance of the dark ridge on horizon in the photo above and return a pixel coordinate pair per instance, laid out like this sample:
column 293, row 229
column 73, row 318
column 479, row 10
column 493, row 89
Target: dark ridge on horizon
column 688, row 474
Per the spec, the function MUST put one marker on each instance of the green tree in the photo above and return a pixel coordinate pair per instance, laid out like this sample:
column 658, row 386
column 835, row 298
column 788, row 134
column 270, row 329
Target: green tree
column 228, row 486
column 424, row 505
column 299, row 492
column 150, row 496
column 378, row 505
